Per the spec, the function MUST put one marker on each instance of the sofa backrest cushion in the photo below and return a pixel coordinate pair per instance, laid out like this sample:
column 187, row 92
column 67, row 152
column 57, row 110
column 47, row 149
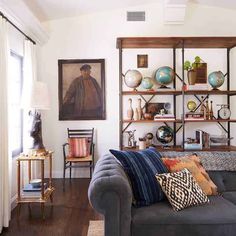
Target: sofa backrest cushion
column 141, row 168
column 225, row 180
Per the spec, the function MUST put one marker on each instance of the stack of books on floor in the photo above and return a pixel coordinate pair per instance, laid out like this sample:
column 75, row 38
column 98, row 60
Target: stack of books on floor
column 32, row 190
column 164, row 117
column 194, row 116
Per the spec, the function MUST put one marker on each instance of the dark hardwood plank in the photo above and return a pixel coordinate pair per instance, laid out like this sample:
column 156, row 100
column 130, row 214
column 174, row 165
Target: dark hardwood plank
column 69, row 214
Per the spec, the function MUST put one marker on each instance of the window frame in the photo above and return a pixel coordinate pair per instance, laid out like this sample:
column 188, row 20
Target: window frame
column 17, row 151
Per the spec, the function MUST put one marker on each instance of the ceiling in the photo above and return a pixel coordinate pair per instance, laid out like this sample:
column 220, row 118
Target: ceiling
column 51, row 9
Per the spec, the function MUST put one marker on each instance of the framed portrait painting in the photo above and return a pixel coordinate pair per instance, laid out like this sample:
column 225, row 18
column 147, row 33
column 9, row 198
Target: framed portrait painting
column 82, row 89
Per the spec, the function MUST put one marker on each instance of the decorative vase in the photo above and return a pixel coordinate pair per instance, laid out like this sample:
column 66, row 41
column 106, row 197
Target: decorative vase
column 192, row 77
column 140, row 112
column 130, row 111
column 136, row 115
column 142, row 145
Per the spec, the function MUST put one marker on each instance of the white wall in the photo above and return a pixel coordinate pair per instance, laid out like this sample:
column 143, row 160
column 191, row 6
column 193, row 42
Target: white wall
column 94, row 36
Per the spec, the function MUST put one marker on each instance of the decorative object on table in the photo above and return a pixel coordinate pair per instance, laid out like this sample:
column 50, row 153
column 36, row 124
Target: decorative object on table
column 136, row 114
column 211, row 117
column 36, row 183
column 142, row 143
column 191, row 105
column 197, row 71
column 207, row 110
column 164, row 134
column 149, row 137
column 202, row 109
column 182, row 182
column 142, row 61
column 219, row 140
column 82, row 89
column 131, row 138
column 140, row 111
column 147, row 83
column 39, row 100
column 224, row 112
column 164, row 76
column 130, row 111
column 194, row 144
column 133, row 78
column 216, row 79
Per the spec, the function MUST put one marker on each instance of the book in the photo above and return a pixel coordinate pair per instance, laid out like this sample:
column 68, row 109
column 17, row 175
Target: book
column 31, row 188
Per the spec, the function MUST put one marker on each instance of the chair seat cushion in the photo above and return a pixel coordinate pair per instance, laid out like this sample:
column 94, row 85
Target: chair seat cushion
column 216, row 218
column 81, row 159
column 78, row 147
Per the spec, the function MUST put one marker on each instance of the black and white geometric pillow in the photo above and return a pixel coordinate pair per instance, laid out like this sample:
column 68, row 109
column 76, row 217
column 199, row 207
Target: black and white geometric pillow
column 181, row 189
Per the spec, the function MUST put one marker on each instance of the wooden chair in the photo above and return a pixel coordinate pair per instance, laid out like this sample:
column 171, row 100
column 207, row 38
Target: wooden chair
column 73, row 162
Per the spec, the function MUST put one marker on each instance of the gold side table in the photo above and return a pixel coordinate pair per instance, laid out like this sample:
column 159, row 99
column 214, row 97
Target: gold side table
column 45, row 194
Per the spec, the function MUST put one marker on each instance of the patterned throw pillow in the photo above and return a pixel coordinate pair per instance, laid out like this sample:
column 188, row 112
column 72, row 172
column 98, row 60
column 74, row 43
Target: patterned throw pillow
column 78, row 147
column 181, row 189
column 192, row 163
column 141, row 168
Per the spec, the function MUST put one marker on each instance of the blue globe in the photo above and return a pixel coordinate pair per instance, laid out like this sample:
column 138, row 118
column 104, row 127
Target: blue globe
column 164, row 134
column 147, row 83
column 216, row 79
column 164, row 76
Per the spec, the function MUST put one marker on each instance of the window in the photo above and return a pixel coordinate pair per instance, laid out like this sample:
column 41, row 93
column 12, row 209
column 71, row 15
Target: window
column 15, row 111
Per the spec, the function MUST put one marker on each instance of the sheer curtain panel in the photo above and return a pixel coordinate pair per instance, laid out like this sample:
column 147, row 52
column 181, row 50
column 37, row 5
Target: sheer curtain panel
column 5, row 159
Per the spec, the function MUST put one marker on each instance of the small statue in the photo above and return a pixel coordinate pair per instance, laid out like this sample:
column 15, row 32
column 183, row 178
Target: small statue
column 211, row 111
column 131, row 138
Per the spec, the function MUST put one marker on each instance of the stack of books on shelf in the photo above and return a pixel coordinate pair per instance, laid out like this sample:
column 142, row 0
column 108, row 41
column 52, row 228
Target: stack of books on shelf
column 31, row 190
column 194, row 116
column 164, row 117
column 197, row 87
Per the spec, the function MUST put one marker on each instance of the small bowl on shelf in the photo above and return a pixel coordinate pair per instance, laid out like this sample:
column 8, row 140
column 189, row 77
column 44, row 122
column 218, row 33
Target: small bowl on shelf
column 36, row 183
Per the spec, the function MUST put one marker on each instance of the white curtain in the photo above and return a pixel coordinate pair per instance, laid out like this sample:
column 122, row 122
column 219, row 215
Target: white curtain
column 5, row 159
column 30, row 76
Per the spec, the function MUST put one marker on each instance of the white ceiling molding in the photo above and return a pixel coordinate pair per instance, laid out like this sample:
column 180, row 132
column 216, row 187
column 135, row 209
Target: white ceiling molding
column 174, row 11
column 20, row 15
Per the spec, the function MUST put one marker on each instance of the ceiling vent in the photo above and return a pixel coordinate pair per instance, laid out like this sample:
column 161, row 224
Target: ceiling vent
column 135, row 15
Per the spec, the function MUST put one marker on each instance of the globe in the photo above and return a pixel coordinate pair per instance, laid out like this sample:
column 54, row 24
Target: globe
column 164, row 134
column 191, row 105
column 164, row 76
column 147, row 83
column 133, row 78
column 216, row 79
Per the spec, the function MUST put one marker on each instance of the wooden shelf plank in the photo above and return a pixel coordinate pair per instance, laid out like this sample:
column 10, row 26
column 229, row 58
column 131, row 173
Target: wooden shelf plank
column 158, row 92
column 176, row 42
column 205, row 121
column 151, row 121
column 211, row 92
column 180, row 149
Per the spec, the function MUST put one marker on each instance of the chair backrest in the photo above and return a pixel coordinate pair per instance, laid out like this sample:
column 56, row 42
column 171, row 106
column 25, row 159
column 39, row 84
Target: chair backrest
column 82, row 133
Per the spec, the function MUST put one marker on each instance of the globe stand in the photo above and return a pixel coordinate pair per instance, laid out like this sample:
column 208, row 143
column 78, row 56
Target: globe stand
column 166, row 146
column 164, row 87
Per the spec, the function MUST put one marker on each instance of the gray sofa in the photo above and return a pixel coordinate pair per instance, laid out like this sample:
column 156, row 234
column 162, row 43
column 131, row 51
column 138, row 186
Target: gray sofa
column 110, row 194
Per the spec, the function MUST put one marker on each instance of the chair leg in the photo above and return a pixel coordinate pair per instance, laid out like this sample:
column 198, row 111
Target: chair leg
column 70, row 170
column 64, row 175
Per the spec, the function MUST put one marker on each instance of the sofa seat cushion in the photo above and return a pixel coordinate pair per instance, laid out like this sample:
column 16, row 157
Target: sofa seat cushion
column 230, row 196
column 216, row 218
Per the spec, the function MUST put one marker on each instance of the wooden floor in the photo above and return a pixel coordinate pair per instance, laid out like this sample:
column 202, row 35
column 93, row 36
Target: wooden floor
column 69, row 214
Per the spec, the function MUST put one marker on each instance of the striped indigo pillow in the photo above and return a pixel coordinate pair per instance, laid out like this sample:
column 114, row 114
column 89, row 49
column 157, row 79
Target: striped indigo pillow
column 141, row 168
column 78, row 147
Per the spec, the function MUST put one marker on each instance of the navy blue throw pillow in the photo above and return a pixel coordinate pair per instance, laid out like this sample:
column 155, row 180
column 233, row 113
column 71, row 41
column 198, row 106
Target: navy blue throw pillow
column 141, row 168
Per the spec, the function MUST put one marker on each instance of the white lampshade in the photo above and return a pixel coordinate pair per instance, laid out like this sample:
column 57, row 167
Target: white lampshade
column 39, row 97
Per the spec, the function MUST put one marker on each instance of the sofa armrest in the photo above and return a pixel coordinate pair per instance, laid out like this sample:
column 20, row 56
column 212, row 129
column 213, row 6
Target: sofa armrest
column 110, row 194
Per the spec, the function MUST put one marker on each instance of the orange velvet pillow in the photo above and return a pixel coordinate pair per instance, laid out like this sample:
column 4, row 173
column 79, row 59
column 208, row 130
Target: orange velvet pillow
column 78, row 147
column 192, row 163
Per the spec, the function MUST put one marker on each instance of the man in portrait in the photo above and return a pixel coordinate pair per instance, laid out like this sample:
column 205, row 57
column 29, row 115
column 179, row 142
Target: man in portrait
column 84, row 96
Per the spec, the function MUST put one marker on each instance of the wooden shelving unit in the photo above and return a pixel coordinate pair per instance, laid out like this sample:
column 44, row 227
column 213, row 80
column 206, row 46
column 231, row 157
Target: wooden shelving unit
column 178, row 43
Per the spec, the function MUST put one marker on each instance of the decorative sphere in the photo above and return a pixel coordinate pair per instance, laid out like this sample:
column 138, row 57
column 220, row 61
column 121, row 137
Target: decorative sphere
column 133, row 78
column 216, row 79
column 164, row 134
column 191, row 105
column 164, row 76
column 147, row 83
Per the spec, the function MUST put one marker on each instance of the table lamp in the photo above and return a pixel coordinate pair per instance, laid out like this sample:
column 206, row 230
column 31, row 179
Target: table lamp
column 38, row 100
